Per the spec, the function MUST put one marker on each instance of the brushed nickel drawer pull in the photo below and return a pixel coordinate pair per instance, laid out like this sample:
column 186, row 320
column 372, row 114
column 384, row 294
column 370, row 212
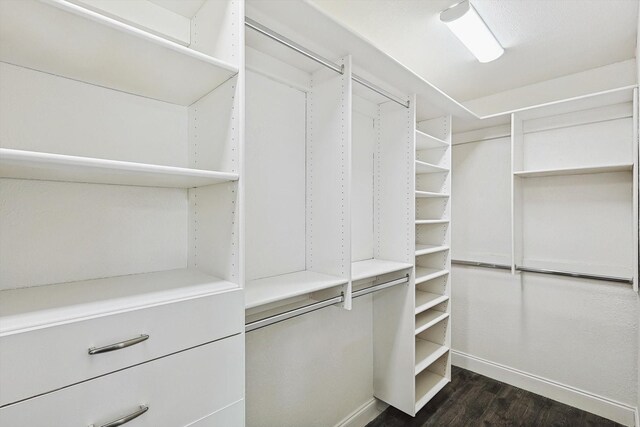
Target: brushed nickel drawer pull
column 118, row 345
column 125, row 419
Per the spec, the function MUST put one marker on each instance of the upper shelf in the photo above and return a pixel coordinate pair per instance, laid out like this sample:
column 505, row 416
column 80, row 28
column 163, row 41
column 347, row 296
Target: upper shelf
column 425, row 141
column 375, row 267
column 57, row 167
column 430, row 194
column 424, row 167
column 60, row 38
column 37, row 306
column 278, row 288
column 624, row 167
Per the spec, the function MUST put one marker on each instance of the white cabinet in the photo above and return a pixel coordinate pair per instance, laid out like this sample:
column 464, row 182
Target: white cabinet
column 120, row 161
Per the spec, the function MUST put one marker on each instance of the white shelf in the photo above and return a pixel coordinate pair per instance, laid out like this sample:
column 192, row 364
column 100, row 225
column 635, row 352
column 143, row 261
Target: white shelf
column 429, row 249
column 63, row 39
column 431, row 221
column 424, row 167
column 426, row 142
column 375, row 267
column 28, row 308
column 56, row 167
column 427, row 300
column 427, row 319
column 428, row 385
column 277, row 288
column 424, row 274
column 430, row 194
column 427, row 353
column 624, row 167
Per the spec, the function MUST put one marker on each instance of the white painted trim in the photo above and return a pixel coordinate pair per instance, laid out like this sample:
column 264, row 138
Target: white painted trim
column 364, row 414
column 568, row 395
column 637, row 411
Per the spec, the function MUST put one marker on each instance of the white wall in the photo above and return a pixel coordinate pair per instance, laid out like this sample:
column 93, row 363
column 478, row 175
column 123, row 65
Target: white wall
column 312, row 370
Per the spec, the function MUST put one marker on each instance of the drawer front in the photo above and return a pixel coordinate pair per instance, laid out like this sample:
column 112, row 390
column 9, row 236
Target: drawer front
column 231, row 416
column 178, row 390
column 43, row 360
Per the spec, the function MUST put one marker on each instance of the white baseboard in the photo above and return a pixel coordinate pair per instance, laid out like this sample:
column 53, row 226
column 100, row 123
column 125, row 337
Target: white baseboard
column 364, row 414
column 580, row 399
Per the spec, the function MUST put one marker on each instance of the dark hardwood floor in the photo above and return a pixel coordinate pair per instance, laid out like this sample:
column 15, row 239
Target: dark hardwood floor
column 475, row 400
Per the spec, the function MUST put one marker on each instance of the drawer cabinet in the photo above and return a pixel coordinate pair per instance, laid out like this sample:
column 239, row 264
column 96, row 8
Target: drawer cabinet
column 46, row 359
column 179, row 390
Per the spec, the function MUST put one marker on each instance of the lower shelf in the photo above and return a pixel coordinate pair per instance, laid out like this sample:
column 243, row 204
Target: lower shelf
column 428, row 385
column 27, row 308
column 375, row 267
column 427, row 352
column 277, row 288
column 429, row 249
column 424, row 274
column 427, row 300
column 427, row 319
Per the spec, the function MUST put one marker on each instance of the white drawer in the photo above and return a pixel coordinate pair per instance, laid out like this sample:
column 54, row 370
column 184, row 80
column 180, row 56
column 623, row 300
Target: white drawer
column 43, row 360
column 231, row 416
column 178, row 390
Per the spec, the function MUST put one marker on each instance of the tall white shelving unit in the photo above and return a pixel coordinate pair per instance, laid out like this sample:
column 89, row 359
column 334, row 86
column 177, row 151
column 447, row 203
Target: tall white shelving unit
column 120, row 134
column 432, row 366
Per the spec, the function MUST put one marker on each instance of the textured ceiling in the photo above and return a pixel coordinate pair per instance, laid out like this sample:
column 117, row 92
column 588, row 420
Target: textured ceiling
column 543, row 39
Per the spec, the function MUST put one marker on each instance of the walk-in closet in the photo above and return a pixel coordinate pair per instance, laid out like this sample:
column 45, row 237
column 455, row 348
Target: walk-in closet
column 323, row 213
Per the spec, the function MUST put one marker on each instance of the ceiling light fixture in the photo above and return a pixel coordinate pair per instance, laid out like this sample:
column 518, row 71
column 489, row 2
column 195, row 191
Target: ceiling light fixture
column 465, row 23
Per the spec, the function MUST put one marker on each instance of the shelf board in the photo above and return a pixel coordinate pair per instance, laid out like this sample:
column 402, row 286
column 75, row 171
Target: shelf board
column 424, row 168
column 623, row 167
column 57, row 167
column 427, row 300
column 427, row 319
column 277, row 288
column 424, row 141
column 61, row 38
column 430, row 194
column 427, row 352
column 431, row 221
column 29, row 308
column 428, row 385
column 429, row 249
column 424, row 274
column 375, row 267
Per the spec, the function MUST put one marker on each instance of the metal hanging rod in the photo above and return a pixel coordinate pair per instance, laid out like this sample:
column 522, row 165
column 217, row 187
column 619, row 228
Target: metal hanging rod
column 379, row 287
column 576, row 275
column 320, row 59
column 523, row 269
column 481, row 264
column 289, row 314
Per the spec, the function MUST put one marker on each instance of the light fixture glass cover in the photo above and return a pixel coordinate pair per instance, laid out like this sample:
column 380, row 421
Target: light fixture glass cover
column 465, row 23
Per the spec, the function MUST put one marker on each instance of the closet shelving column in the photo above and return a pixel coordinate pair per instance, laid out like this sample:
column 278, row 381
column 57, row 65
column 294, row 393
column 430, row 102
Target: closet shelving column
column 95, row 94
column 432, row 332
column 298, row 136
column 574, row 179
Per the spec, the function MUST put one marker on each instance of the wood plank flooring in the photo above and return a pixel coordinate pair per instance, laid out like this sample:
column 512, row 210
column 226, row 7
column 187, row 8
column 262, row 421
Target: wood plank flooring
column 475, row 400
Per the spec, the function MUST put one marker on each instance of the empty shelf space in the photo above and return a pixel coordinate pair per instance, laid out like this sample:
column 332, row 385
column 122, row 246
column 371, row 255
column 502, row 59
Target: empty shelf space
column 375, row 267
column 425, row 141
column 429, row 249
column 427, row 319
column 57, row 167
column 424, row 274
column 427, row 353
column 424, row 167
column 624, row 167
column 428, row 385
column 430, row 194
column 427, row 300
column 277, row 288
column 27, row 308
column 67, row 40
column 431, row 221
